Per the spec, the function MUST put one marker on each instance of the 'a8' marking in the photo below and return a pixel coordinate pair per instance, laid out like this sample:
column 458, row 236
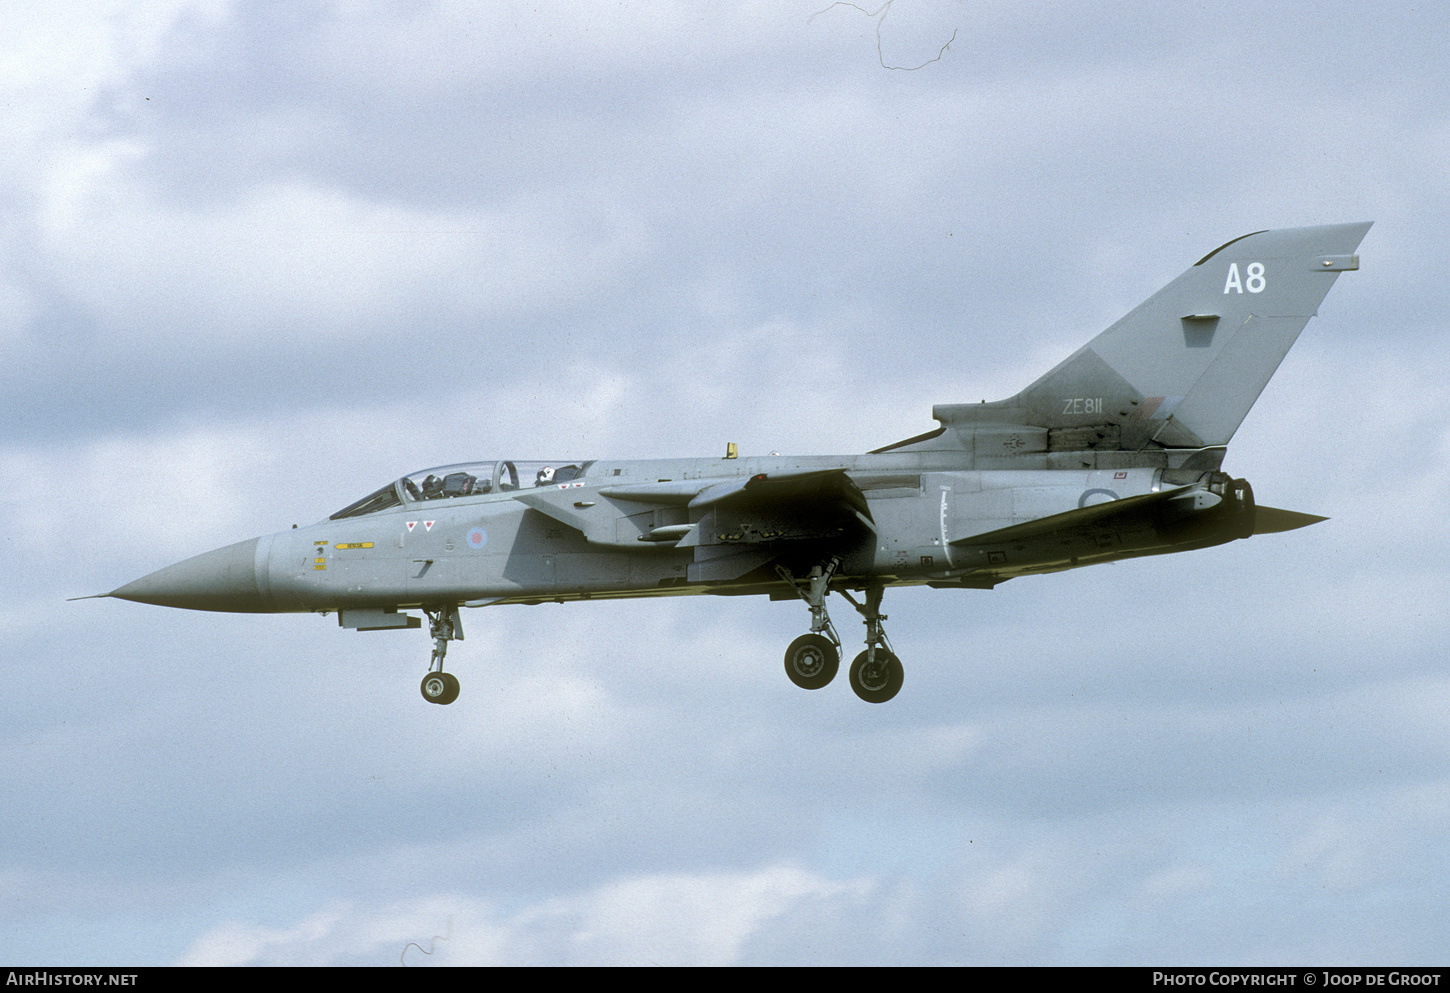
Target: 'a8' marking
column 1252, row 279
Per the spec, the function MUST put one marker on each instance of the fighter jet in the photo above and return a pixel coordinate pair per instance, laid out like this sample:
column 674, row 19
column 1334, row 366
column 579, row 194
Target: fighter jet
column 1114, row 453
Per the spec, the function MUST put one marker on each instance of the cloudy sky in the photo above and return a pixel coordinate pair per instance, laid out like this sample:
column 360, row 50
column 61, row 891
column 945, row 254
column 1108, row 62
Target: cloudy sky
column 257, row 257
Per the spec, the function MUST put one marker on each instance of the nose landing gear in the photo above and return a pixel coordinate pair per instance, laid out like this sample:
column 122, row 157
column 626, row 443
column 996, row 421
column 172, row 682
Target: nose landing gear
column 444, row 625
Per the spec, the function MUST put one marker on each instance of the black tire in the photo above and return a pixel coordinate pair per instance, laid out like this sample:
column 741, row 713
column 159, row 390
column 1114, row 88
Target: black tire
column 881, row 681
column 440, row 687
column 811, row 661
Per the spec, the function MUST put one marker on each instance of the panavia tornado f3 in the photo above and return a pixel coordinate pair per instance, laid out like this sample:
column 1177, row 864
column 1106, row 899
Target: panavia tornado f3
column 1113, row 454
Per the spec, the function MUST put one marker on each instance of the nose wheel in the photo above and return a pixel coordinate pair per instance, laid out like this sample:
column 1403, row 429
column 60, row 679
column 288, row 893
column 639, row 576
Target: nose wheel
column 440, row 687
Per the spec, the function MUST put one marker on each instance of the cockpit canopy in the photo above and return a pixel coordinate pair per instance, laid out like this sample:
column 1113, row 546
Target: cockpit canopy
column 466, row 479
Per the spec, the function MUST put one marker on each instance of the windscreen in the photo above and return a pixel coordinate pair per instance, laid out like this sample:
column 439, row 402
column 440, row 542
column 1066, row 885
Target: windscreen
column 380, row 499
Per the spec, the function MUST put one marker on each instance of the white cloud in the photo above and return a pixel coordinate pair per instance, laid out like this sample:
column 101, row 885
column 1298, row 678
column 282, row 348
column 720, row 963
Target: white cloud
column 79, row 46
column 60, row 60
column 239, row 944
column 458, row 47
column 705, row 918
column 293, row 259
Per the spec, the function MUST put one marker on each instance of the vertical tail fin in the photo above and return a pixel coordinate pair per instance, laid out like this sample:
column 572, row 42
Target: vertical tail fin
column 1184, row 367
column 1189, row 362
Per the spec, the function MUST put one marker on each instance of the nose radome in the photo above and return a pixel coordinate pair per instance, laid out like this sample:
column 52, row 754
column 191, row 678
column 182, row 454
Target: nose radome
column 222, row 579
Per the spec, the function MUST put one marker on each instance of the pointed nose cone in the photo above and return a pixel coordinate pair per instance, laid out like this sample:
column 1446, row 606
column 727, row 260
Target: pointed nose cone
column 223, row 579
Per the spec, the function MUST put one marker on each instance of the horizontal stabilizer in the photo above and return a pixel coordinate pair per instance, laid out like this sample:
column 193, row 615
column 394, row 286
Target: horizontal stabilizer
column 1272, row 520
column 1081, row 517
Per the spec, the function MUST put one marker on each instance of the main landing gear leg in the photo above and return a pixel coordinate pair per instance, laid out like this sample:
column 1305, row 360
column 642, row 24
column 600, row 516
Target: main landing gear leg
column 876, row 675
column 812, row 659
column 444, row 625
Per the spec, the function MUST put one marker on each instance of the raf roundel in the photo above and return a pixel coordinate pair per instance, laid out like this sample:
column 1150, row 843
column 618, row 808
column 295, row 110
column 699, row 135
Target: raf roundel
column 477, row 538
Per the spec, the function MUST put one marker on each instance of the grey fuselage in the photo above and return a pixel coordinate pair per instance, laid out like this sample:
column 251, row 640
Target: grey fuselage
column 628, row 529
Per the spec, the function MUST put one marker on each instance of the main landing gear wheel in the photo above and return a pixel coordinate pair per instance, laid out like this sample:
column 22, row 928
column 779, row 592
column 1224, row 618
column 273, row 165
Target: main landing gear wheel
column 878, row 680
column 440, row 687
column 811, row 661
